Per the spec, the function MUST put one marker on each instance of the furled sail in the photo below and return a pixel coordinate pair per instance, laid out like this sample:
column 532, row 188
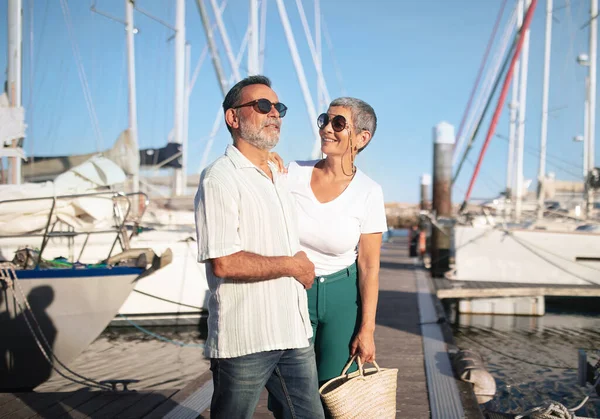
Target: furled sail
column 124, row 153
column 82, row 213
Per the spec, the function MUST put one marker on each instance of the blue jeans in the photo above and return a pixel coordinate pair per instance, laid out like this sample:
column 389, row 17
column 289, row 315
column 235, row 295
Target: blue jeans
column 290, row 377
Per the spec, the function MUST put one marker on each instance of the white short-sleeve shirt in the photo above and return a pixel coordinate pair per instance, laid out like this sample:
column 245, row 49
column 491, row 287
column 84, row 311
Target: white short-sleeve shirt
column 330, row 232
column 238, row 208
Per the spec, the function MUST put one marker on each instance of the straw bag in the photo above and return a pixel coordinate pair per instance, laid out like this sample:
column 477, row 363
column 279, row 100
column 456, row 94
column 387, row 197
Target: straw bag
column 366, row 393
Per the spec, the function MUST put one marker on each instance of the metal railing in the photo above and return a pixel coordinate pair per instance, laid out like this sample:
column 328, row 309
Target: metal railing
column 120, row 217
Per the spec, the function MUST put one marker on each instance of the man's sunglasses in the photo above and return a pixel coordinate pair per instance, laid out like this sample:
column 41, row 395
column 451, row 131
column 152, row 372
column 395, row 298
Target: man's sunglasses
column 264, row 106
column 338, row 122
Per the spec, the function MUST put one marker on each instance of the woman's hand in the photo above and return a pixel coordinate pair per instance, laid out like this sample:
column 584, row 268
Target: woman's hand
column 364, row 345
column 276, row 158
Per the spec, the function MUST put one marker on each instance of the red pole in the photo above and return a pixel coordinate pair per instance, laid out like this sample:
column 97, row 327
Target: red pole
column 502, row 99
column 480, row 72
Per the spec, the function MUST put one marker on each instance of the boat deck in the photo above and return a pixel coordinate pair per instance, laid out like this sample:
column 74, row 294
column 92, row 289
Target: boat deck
column 408, row 337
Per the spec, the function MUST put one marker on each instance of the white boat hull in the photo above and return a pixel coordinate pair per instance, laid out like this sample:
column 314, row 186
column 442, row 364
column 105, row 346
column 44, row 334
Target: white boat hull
column 177, row 292
column 72, row 307
column 526, row 256
column 181, row 286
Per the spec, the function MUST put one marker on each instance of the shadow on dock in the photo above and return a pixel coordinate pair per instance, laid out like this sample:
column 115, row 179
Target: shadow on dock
column 92, row 404
column 396, row 266
column 22, row 364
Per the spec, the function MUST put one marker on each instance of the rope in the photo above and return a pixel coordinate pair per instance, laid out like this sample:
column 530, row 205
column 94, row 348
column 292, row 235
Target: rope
column 188, row 253
column 9, row 276
column 160, row 337
column 167, row 300
column 82, row 77
column 550, row 410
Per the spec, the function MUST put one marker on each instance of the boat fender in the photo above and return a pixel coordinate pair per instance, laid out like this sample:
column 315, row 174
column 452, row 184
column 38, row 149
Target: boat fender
column 469, row 367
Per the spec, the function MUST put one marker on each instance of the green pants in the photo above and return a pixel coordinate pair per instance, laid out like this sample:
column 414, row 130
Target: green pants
column 333, row 305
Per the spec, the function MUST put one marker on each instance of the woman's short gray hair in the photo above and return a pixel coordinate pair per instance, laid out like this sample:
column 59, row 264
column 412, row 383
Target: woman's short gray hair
column 363, row 114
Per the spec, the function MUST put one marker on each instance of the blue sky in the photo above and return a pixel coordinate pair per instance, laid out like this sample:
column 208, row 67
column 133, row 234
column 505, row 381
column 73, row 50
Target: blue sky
column 414, row 61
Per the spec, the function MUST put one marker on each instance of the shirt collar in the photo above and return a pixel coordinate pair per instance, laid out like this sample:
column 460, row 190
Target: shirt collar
column 241, row 162
column 237, row 158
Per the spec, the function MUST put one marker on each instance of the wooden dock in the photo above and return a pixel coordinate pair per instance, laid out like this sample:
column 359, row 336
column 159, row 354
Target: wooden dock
column 409, row 336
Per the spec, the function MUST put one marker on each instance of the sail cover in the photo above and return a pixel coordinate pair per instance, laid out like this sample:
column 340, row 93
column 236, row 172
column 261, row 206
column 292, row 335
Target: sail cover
column 84, row 213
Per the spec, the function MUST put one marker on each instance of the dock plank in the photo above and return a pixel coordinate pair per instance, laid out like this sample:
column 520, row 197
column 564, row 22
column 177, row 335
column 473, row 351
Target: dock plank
column 23, row 405
column 119, row 403
column 91, row 406
column 33, row 404
column 13, row 405
column 72, row 401
column 147, row 405
column 5, row 398
column 180, row 396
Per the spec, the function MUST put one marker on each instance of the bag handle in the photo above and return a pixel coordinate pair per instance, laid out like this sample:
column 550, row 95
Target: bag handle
column 360, row 365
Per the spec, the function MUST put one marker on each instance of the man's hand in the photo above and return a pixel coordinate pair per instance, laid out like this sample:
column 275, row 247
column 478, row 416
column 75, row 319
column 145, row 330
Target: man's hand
column 304, row 271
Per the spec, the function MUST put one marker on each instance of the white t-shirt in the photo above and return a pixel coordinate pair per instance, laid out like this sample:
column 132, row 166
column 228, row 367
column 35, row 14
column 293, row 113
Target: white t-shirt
column 329, row 232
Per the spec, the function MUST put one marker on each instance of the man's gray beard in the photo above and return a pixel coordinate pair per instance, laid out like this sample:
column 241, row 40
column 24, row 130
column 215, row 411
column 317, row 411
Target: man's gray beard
column 257, row 138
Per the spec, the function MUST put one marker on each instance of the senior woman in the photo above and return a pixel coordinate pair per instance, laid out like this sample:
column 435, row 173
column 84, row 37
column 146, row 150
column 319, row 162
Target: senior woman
column 341, row 218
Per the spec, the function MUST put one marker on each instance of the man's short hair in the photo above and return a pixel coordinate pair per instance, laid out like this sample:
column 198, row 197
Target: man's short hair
column 234, row 95
column 363, row 115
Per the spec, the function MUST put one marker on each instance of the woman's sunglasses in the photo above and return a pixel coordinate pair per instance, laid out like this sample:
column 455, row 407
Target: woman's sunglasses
column 338, row 122
column 264, row 106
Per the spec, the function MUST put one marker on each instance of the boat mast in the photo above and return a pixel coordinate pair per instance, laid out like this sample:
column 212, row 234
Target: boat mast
column 512, row 130
column 521, row 126
column 592, row 101
column 186, row 113
column 322, row 102
column 544, row 132
column 322, row 92
column 263, row 35
column 133, row 126
column 212, row 47
column 226, row 42
column 253, row 41
column 14, row 73
column 310, row 106
column 179, row 175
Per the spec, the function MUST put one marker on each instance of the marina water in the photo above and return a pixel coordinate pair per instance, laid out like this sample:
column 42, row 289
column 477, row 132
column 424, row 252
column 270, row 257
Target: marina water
column 534, row 359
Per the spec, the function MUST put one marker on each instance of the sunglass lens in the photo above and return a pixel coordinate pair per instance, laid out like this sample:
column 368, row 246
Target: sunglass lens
column 322, row 120
column 263, row 105
column 338, row 123
column 281, row 108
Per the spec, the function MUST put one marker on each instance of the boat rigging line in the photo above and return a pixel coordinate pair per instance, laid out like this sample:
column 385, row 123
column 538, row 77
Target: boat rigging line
column 82, row 76
column 480, row 71
column 488, row 83
column 491, row 95
column 521, row 38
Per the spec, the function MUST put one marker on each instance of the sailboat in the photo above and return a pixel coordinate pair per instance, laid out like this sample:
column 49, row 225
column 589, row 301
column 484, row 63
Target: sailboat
column 51, row 309
column 507, row 247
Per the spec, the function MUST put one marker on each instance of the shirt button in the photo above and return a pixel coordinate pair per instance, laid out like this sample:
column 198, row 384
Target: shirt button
column 321, row 279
